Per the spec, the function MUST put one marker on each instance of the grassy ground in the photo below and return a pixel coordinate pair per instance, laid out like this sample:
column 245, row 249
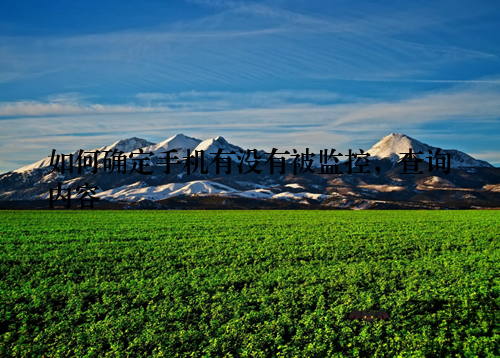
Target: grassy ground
column 249, row 283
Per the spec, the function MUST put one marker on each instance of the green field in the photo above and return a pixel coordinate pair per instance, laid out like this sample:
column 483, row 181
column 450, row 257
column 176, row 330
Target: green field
column 249, row 283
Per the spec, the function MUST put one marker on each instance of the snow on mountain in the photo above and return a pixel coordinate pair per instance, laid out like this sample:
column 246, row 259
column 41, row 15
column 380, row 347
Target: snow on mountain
column 268, row 194
column 297, row 196
column 390, row 147
column 394, row 146
column 212, row 145
column 294, row 186
column 179, row 142
column 256, row 193
column 182, row 143
column 29, row 184
column 140, row 190
column 124, row 145
column 127, row 145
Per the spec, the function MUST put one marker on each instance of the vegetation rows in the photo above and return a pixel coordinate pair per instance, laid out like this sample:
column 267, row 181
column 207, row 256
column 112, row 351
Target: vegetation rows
column 249, row 283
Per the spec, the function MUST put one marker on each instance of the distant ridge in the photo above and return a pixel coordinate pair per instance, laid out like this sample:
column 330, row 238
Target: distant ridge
column 472, row 183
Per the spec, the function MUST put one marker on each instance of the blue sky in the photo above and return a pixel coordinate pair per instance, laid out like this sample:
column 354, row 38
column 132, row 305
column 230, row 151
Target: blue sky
column 263, row 74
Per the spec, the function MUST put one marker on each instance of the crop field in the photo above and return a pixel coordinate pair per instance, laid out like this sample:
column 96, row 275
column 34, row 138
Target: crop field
column 249, row 283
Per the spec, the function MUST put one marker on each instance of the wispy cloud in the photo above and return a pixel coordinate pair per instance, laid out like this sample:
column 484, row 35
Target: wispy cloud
column 72, row 104
column 243, row 99
column 264, row 10
column 248, row 43
column 472, row 102
column 255, row 119
column 354, row 73
column 465, row 101
column 490, row 156
column 56, row 108
column 6, row 77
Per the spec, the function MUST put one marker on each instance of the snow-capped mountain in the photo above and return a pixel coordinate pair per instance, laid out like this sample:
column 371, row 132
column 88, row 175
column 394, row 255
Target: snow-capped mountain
column 124, row 145
column 183, row 143
column 469, row 184
column 395, row 145
column 141, row 191
column 179, row 142
column 212, row 145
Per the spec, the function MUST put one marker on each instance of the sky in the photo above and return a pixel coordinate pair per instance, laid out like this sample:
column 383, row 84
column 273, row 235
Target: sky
column 263, row 74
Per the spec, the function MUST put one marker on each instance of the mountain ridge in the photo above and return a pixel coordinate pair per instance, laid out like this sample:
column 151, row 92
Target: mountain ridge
column 394, row 145
column 471, row 183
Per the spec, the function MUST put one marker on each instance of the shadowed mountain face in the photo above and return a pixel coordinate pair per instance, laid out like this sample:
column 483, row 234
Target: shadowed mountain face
column 390, row 180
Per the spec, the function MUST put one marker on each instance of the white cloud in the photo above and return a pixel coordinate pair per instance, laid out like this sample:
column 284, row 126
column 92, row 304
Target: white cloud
column 249, row 43
column 58, row 108
column 241, row 99
column 252, row 119
column 489, row 156
column 473, row 102
column 463, row 102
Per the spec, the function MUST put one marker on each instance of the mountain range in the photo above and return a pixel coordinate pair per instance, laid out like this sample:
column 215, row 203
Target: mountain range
column 470, row 183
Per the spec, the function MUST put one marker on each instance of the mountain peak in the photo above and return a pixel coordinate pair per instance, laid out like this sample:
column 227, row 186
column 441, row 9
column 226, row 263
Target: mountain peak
column 179, row 135
column 130, row 144
column 179, row 141
column 212, row 145
column 221, row 140
column 395, row 145
column 395, row 137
